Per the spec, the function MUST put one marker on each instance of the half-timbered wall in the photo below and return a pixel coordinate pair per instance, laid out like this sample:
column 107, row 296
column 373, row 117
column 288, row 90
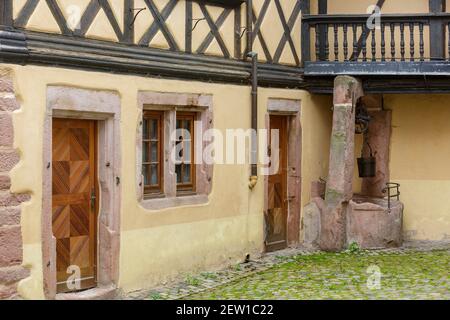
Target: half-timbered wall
column 197, row 27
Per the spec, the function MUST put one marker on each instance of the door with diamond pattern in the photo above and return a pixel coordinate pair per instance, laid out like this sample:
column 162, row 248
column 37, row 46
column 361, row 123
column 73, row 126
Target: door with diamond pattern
column 74, row 203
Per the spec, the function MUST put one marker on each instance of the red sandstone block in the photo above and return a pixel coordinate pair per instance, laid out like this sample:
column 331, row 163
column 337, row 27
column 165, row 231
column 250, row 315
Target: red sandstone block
column 10, row 216
column 12, row 275
column 8, row 199
column 10, row 246
column 8, row 104
column 6, row 130
column 8, row 159
column 5, row 183
column 6, row 84
column 8, row 292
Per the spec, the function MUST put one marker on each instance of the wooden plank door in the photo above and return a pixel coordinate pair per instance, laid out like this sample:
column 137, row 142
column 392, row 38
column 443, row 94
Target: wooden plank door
column 277, row 210
column 74, row 204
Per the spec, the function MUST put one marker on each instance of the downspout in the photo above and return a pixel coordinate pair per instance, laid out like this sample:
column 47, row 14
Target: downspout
column 254, row 115
column 254, row 104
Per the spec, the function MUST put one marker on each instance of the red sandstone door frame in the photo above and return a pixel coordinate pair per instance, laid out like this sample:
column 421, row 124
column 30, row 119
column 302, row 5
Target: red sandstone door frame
column 104, row 108
column 290, row 110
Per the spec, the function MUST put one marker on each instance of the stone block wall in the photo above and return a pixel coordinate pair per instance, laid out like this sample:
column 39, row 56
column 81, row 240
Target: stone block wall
column 11, row 269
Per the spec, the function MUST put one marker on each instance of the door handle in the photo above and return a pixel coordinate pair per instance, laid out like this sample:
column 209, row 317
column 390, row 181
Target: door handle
column 288, row 199
column 93, row 199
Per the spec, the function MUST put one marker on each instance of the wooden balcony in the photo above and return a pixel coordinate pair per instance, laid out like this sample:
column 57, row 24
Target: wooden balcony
column 408, row 48
column 399, row 46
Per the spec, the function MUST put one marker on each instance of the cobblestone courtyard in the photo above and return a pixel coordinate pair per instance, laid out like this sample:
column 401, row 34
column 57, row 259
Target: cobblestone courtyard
column 418, row 275
column 403, row 274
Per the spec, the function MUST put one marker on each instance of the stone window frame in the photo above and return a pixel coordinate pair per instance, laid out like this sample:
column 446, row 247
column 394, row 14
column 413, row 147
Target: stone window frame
column 291, row 109
column 170, row 103
column 104, row 107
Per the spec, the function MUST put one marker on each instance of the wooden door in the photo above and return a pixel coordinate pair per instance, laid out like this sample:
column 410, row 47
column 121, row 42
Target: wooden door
column 277, row 209
column 74, row 190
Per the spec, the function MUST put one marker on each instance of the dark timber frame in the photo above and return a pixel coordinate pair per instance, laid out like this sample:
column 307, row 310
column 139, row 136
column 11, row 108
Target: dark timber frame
column 405, row 69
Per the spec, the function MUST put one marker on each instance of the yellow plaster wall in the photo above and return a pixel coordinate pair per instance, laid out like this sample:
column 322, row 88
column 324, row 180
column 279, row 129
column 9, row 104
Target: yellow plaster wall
column 420, row 153
column 360, row 6
column 160, row 245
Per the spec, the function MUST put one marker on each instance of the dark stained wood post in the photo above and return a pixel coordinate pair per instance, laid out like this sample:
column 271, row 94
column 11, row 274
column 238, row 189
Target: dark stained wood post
column 237, row 33
column 437, row 31
column 129, row 14
column 306, row 35
column 6, row 13
column 249, row 27
column 189, row 26
column 323, row 39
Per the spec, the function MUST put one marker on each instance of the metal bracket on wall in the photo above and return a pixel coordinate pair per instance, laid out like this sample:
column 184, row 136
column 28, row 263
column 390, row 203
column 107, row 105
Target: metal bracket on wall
column 139, row 10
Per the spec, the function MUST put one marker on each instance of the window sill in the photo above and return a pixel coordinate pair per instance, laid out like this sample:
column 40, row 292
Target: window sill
column 174, row 202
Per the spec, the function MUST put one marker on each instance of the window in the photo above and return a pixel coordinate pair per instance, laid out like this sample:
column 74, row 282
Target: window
column 152, row 152
column 184, row 163
column 169, row 173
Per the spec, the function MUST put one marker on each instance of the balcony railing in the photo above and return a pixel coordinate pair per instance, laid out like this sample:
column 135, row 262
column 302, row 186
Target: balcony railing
column 397, row 44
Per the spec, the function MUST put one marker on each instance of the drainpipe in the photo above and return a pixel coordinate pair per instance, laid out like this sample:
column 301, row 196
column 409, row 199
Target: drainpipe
column 254, row 115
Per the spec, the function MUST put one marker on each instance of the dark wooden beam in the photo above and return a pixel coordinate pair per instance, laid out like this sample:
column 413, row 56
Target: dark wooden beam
column 59, row 17
column 87, row 18
column 25, row 14
column 437, row 31
column 288, row 27
column 189, row 26
column 36, row 48
column 128, row 21
column 249, row 27
column 160, row 19
column 215, row 33
column 306, row 34
column 6, row 13
column 237, row 33
column 257, row 22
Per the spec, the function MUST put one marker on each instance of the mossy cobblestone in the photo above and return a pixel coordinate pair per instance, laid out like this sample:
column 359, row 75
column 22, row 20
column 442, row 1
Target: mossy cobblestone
column 311, row 275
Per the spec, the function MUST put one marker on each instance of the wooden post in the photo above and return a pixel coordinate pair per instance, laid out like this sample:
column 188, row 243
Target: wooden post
column 6, row 13
column 249, row 27
column 323, row 9
column 306, row 35
column 128, row 29
column 189, row 26
column 437, row 31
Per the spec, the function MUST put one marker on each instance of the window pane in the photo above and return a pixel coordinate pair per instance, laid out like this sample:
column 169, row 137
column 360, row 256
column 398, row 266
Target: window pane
column 154, row 175
column 187, row 126
column 178, row 172
column 179, row 152
column 187, row 152
column 145, row 152
column 145, row 173
column 154, row 153
column 187, row 174
column 154, row 129
column 145, row 130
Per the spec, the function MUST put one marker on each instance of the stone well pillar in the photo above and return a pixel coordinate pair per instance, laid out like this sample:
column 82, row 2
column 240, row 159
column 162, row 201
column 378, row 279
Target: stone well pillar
column 339, row 191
